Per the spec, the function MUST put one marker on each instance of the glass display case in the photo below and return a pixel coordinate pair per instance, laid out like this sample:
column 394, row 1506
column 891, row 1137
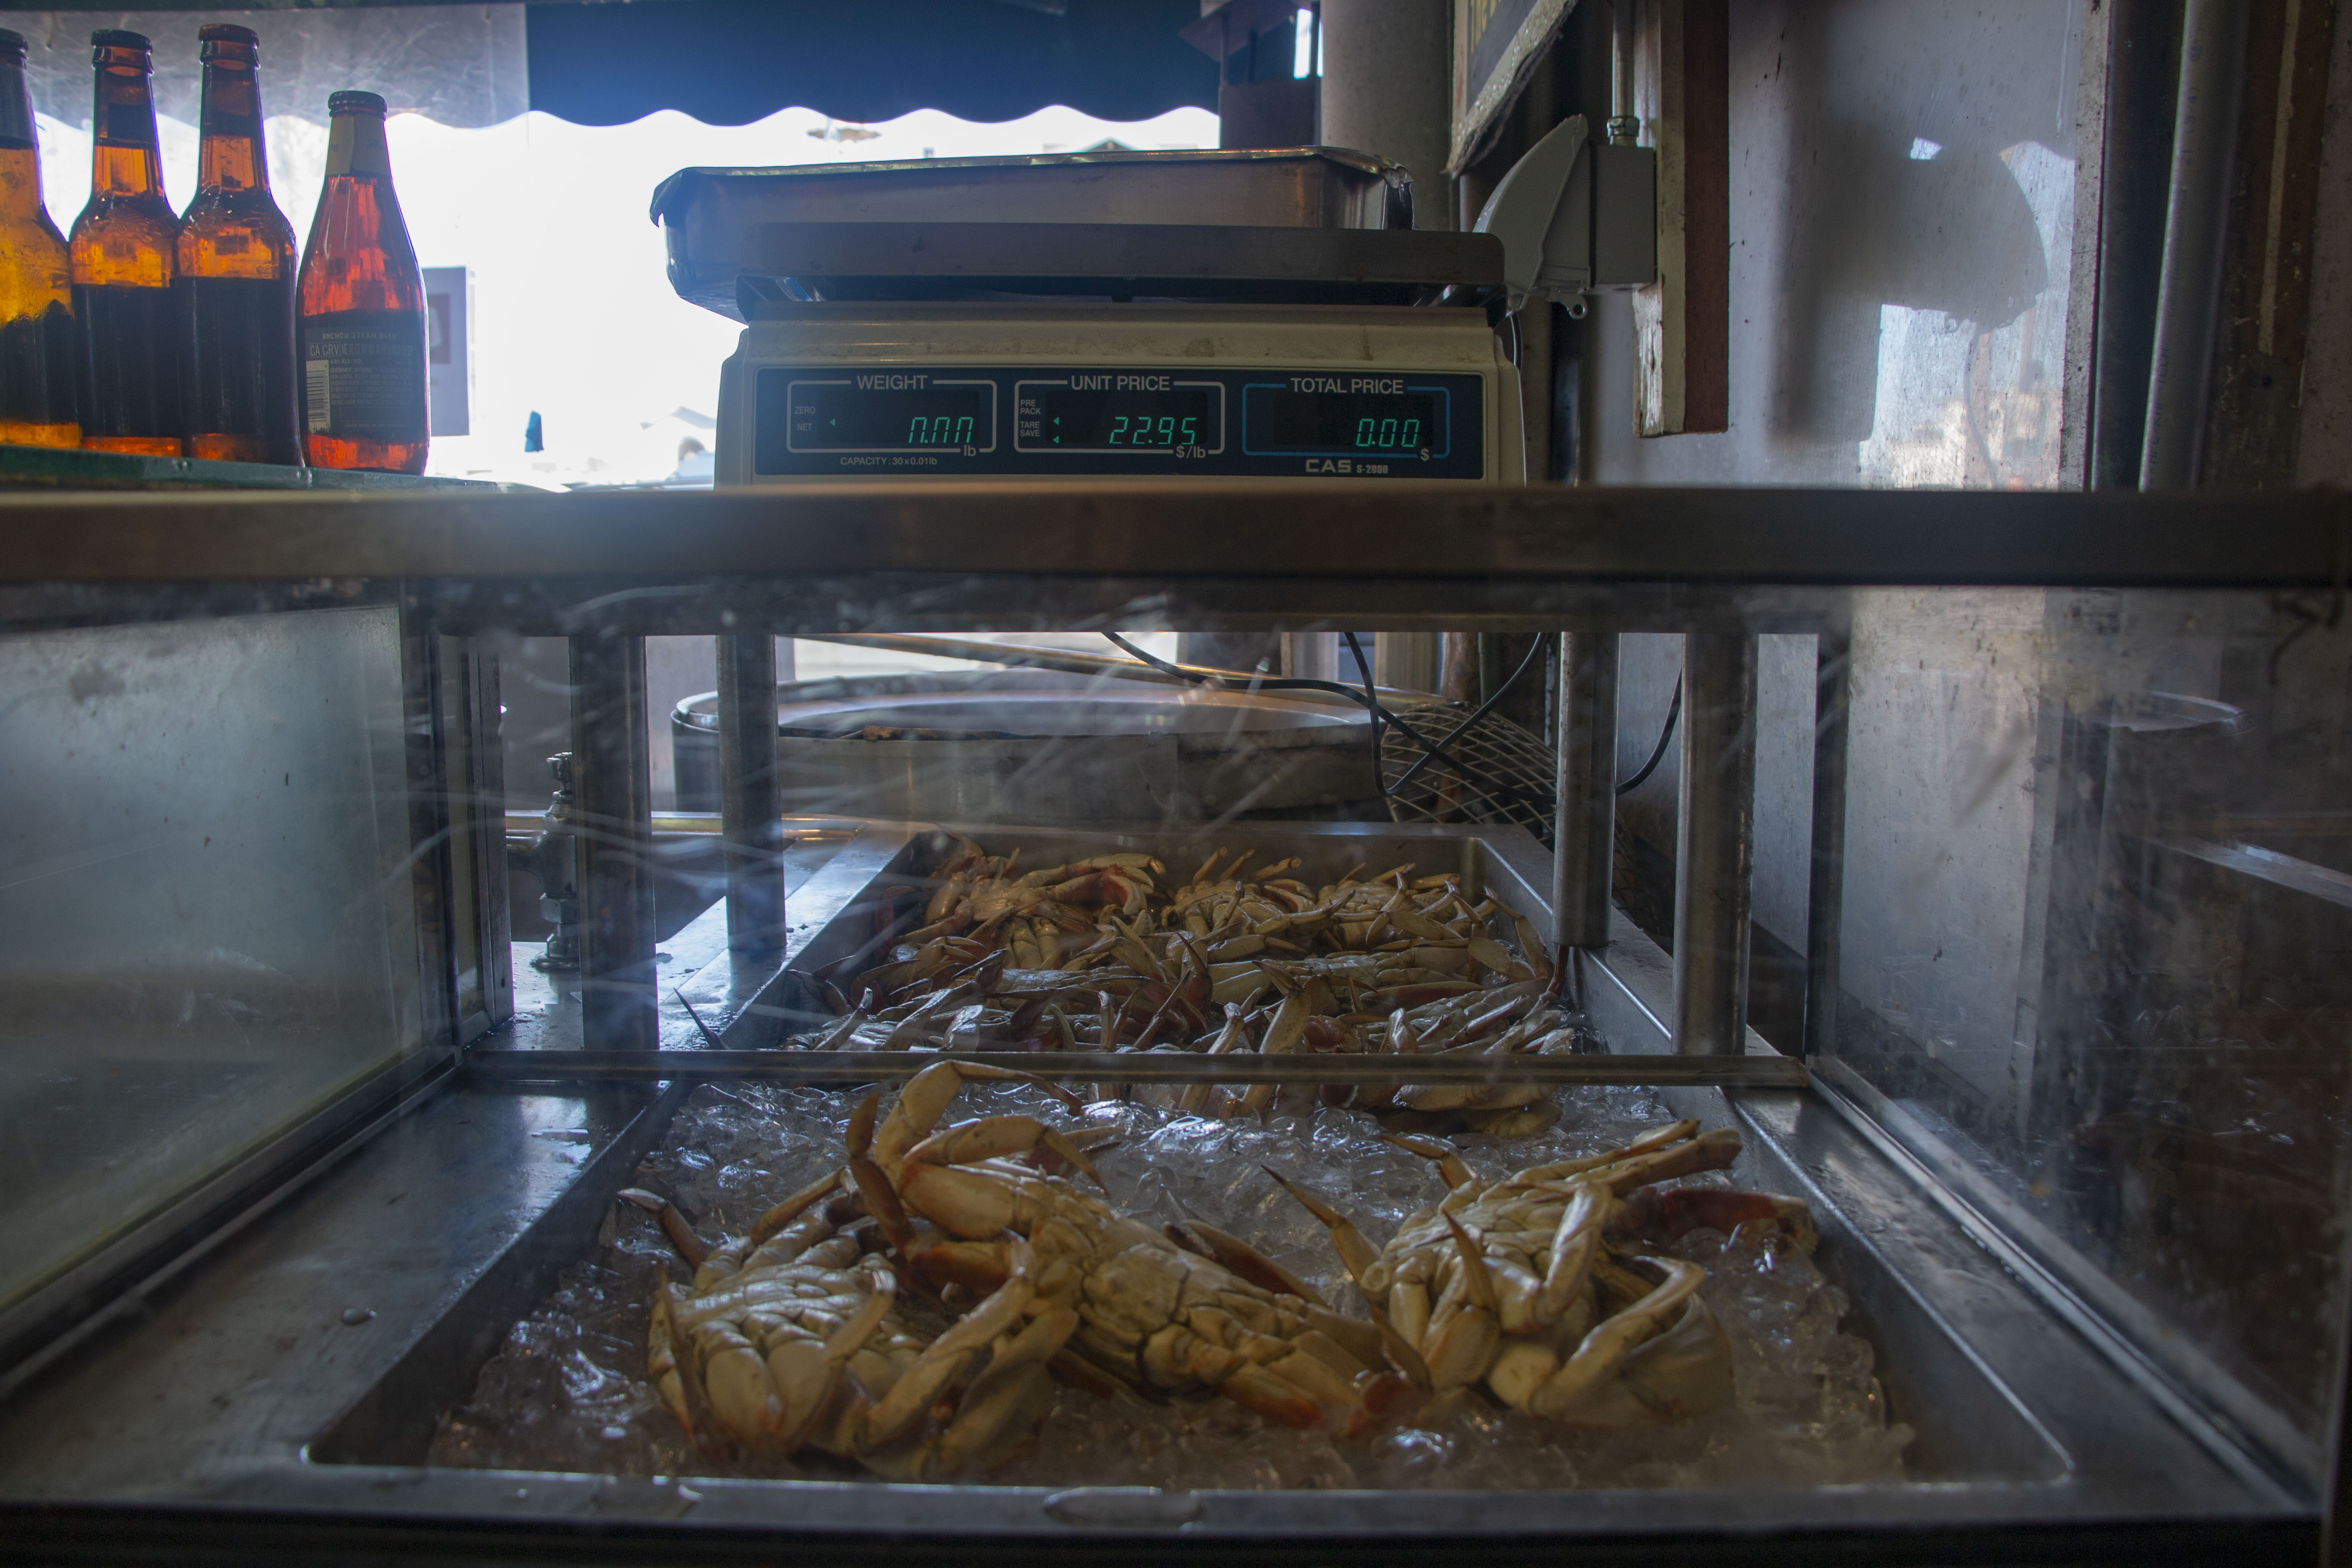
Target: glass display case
column 391, row 1170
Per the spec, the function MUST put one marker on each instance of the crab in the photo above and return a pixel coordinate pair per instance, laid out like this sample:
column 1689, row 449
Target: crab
column 1537, row 1286
column 1180, row 1313
column 789, row 1336
column 1035, row 916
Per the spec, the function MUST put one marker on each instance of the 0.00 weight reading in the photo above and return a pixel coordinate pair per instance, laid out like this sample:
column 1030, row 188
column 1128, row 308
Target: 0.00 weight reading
column 923, row 432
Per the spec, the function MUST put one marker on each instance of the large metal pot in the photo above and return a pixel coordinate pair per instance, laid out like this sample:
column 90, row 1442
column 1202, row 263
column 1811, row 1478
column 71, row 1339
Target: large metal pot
column 1039, row 746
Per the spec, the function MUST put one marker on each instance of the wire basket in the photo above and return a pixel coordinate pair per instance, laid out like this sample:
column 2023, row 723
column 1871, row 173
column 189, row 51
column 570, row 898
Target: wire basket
column 1505, row 752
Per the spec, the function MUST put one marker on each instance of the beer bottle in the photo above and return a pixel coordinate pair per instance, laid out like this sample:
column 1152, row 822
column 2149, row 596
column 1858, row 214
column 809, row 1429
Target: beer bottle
column 361, row 321
column 235, row 270
column 37, row 349
column 122, row 246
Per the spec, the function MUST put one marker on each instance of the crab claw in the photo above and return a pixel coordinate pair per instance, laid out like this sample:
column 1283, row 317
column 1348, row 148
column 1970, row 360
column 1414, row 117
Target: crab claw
column 1665, row 1214
column 1353, row 1250
column 690, row 1246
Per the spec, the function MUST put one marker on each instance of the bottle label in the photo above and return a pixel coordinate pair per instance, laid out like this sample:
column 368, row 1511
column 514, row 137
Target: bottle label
column 363, row 376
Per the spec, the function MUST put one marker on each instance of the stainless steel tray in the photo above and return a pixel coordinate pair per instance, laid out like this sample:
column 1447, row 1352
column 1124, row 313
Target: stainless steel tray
column 711, row 216
column 1025, row 745
column 1972, row 1429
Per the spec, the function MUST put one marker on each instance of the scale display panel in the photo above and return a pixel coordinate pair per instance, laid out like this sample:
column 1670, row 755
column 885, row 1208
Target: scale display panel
column 1039, row 421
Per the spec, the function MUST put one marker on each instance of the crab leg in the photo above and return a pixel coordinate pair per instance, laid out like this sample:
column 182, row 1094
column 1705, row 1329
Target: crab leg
column 992, row 1137
column 690, row 1246
column 1015, row 1379
column 1605, row 1349
column 1464, row 1332
column 807, row 1375
column 1282, row 1039
column 1450, row 1168
column 1666, row 1215
column 765, row 1228
column 1571, row 1251
column 951, row 1354
column 1238, row 1256
column 1359, row 1257
column 1354, row 1251
column 926, row 1097
column 1234, row 1033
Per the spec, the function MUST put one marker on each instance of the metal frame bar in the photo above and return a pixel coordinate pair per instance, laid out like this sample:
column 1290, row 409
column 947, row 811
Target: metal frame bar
column 1449, row 543
column 618, row 1008
column 751, row 804
column 1585, row 822
column 432, row 874
column 1825, row 885
column 1715, row 843
column 1135, row 1067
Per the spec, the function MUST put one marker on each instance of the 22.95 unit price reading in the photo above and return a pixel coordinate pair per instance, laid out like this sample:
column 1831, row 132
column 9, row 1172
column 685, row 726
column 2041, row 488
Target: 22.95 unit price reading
column 1146, row 432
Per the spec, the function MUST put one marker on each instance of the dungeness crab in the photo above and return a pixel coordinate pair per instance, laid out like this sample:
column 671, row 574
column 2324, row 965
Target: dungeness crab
column 1539, row 1288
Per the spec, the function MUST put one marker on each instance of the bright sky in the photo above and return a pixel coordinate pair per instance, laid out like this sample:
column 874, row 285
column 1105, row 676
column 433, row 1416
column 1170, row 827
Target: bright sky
column 574, row 316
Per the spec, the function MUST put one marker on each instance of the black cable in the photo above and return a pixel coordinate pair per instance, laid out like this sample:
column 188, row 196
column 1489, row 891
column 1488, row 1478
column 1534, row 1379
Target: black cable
column 1673, row 712
column 1484, row 708
column 1374, row 713
column 1382, row 718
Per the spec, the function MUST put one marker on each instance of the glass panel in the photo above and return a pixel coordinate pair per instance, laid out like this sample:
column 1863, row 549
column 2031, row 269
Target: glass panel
column 2097, row 945
column 207, row 928
column 465, row 828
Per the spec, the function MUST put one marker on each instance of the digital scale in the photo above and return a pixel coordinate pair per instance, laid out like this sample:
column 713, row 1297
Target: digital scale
column 1231, row 315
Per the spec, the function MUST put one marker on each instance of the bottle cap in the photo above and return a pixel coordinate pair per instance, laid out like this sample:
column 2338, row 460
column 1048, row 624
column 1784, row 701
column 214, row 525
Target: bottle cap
column 226, row 33
column 117, row 38
column 12, row 46
column 352, row 102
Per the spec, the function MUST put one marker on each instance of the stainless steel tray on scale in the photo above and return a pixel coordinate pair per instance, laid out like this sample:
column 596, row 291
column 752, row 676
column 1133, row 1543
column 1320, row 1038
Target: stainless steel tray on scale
column 712, row 219
column 2018, row 1423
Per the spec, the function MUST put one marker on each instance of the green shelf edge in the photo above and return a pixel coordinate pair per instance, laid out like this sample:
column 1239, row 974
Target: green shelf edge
column 67, row 468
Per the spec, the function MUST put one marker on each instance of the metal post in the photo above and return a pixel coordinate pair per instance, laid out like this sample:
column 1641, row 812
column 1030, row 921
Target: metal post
column 750, row 809
column 1584, row 835
column 1825, row 895
column 617, row 1005
column 1714, row 847
column 2196, row 231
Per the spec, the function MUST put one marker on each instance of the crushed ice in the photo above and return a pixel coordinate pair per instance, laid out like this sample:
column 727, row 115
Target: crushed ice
column 567, row 1391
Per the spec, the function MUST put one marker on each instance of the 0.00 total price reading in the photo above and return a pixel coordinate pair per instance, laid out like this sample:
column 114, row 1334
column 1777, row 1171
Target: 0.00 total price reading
column 1388, row 434
column 1286, row 422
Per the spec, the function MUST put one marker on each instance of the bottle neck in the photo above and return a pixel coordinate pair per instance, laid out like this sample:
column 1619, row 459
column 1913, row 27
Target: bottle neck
column 124, row 161
column 232, row 156
column 16, row 108
column 20, row 158
column 355, row 146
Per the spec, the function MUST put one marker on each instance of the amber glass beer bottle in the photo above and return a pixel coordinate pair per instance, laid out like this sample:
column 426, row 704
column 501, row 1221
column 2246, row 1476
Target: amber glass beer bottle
column 362, row 308
column 235, row 270
column 37, row 348
column 122, row 246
